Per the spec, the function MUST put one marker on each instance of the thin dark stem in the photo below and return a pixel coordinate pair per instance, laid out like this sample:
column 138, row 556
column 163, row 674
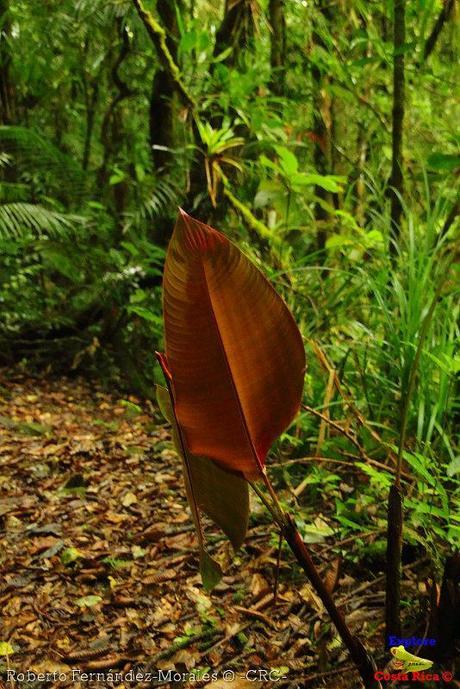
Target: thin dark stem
column 277, row 570
column 442, row 19
column 90, row 115
column 322, row 114
column 393, row 563
column 397, row 178
column 364, row 663
column 277, row 20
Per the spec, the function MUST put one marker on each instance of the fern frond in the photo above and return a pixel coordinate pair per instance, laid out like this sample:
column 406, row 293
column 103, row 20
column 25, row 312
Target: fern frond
column 100, row 11
column 31, row 151
column 12, row 192
column 5, row 160
column 17, row 219
column 165, row 195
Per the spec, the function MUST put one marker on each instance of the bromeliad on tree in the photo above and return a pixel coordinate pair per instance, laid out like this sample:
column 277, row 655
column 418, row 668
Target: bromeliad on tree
column 234, row 367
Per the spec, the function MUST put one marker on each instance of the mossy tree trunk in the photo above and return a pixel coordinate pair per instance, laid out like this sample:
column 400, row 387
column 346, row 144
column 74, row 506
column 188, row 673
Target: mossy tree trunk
column 322, row 128
column 277, row 20
column 163, row 100
column 6, row 83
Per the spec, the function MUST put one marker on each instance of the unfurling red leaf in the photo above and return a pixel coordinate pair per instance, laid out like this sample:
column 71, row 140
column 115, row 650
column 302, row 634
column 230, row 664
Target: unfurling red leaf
column 234, row 352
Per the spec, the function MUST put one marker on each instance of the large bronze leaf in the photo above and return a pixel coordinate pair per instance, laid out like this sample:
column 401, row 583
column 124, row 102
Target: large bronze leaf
column 234, row 351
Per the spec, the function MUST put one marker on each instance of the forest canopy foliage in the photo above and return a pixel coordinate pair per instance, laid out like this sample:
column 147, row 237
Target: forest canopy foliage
column 320, row 141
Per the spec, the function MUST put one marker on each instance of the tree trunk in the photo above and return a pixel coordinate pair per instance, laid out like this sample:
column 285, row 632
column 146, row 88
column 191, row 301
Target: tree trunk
column 277, row 21
column 163, row 109
column 393, row 563
column 91, row 95
column 91, row 103
column 363, row 145
column 112, row 126
column 443, row 18
column 6, row 85
column 322, row 125
column 236, row 30
column 397, row 179
column 163, row 106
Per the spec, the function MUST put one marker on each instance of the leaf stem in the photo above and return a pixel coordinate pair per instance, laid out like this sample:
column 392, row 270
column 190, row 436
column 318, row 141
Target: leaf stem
column 264, row 500
column 277, row 505
column 364, row 663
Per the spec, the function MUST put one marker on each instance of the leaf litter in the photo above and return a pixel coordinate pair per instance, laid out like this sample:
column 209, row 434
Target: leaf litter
column 98, row 559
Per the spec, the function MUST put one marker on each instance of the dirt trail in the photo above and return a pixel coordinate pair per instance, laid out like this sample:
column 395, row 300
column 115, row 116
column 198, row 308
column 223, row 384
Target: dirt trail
column 98, row 566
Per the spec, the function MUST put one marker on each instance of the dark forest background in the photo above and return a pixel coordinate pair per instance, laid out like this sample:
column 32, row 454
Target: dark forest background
column 321, row 136
column 276, row 121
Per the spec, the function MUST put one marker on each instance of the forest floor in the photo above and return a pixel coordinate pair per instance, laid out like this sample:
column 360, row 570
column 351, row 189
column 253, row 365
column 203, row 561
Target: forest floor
column 98, row 560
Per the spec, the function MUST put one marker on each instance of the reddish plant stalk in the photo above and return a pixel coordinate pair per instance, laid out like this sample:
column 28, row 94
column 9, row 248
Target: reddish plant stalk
column 364, row 663
column 288, row 530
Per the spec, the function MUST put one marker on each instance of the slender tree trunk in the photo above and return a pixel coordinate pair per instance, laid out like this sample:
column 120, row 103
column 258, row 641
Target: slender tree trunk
column 91, row 104
column 397, row 178
column 162, row 120
column 163, row 105
column 91, row 95
column 362, row 147
column 235, row 31
column 322, row 125
column 395, row 498
column 6, row 85
column 277, row 19
column 167, row 55
column 111, row 126
column 443, row 18
column 393, row 563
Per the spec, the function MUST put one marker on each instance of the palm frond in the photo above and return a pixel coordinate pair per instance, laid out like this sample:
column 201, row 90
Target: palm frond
column 5, row 160
column 100, row 11
column 13, row 192
column 19, row 219
column 165, row 195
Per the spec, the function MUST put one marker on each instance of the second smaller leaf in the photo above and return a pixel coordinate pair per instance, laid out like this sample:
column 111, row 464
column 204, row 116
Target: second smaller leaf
column 223, row 496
